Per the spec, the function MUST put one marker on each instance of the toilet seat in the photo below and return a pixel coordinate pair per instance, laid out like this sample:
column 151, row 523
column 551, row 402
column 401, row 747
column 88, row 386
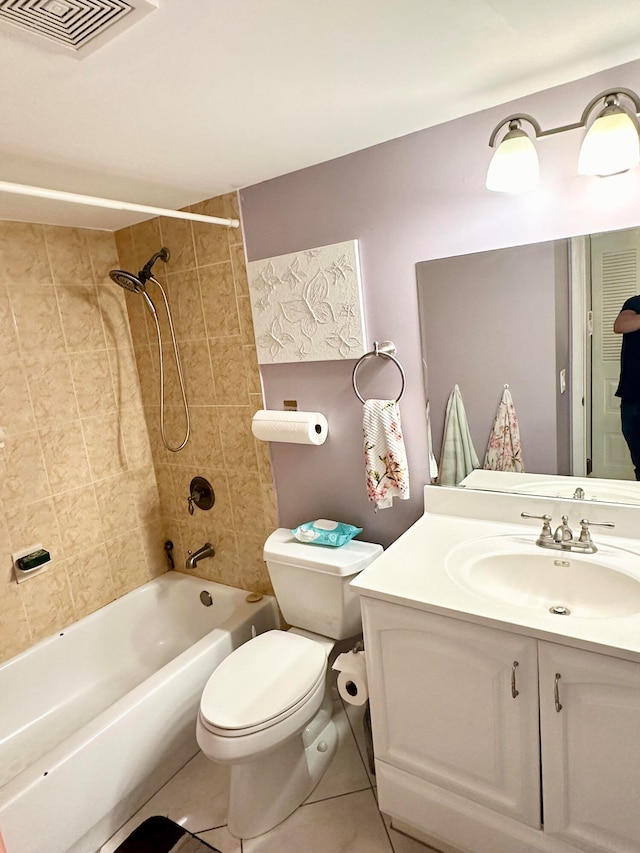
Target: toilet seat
column 263, row 682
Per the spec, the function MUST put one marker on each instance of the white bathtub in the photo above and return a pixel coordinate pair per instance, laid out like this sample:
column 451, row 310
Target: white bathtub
column 94, row 720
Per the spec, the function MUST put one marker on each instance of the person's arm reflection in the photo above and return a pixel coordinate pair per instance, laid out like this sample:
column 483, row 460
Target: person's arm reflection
column 626, row 321
column 627, row 324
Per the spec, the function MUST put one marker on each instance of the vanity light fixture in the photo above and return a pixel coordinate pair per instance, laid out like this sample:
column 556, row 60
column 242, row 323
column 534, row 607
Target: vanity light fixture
column 514, row 166
column 611, row 144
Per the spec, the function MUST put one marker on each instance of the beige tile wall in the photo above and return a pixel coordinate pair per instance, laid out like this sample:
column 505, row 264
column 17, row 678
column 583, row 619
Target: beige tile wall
column 207, row 287
column 76, row 472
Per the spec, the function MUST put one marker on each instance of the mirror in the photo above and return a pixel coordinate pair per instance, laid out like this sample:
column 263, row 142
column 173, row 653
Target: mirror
column 538, row 318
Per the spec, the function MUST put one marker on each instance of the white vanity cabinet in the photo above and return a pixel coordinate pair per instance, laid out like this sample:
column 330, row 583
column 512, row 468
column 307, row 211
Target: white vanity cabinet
column 473, row 749
column 590, row 748
column 443, row 707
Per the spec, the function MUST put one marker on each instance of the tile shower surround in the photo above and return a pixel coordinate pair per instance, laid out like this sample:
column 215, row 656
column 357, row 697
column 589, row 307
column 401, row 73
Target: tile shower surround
column 83, row 470
column 206, row 283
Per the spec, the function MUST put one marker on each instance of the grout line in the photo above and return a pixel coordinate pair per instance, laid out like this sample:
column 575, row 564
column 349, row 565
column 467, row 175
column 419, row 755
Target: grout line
column 386, row 830
column 335, row 797
column 364, row 758
column 427, row 847
column 209, row 828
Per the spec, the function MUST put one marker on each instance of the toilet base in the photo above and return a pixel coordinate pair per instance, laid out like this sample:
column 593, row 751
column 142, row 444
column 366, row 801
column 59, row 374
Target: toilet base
column 266, row 791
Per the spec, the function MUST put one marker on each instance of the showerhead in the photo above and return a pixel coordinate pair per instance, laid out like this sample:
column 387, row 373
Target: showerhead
column 132, row 283
column 136, row 283
column 127, row 280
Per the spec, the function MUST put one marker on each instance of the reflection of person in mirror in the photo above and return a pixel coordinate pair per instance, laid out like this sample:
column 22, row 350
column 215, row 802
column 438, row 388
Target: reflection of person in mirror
column 627, row 324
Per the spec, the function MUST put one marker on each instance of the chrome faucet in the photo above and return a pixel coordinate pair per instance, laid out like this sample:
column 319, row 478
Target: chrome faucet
column 564, row 533
column 194, row 557
column 579, row 494
column 562, row 539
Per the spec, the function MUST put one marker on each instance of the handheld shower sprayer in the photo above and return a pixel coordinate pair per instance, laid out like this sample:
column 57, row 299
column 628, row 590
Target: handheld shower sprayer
column 138, row 284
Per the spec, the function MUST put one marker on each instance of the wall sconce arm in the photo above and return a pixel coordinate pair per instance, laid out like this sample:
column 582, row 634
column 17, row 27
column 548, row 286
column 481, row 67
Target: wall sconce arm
column 519, row 117
column 635, row 100
column 609, row 93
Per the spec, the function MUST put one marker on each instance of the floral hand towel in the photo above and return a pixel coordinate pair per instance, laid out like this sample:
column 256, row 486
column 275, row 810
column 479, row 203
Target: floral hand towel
column 504, row 452
column 385, row 456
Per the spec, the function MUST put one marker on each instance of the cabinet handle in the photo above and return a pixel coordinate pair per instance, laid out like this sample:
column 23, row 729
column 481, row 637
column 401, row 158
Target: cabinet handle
column 556, row 693
column 514, row 692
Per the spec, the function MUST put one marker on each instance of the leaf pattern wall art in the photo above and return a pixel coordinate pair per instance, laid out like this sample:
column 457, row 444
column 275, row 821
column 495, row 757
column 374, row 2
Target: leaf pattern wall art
column 307, row 306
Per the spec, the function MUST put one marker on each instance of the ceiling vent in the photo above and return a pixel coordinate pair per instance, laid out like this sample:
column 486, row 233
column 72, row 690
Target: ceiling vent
column 74, row 27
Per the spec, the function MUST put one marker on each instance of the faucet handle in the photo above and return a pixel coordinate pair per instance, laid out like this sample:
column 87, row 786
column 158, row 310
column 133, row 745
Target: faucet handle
column 585, row 542
column 545, row 535
column 544, row 517
column 200, row 494
column 585, row 536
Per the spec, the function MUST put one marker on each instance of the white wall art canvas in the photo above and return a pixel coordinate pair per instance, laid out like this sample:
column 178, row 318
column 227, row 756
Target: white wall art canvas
column 307, row 306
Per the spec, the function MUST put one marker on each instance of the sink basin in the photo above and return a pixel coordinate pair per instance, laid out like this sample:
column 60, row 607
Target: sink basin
column 551, row 485
column 514, row 570
column 565, row 488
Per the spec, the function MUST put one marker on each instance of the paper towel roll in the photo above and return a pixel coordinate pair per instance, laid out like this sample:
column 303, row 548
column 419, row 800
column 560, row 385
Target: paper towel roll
column 352, row 677
column 291, row 427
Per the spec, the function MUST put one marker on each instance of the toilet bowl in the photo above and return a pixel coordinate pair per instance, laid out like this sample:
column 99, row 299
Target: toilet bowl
column 266, row 710
column 271, row 695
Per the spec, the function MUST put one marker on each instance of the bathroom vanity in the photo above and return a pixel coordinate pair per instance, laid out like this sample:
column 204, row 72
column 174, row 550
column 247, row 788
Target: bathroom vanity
column 499, row 726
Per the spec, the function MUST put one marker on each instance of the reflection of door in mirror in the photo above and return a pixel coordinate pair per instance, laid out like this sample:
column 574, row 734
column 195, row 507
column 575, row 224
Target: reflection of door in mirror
column 615, row 273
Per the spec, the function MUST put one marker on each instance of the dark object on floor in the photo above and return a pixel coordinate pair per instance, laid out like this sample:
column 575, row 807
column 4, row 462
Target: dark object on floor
column 368, row 739
column 161, row 835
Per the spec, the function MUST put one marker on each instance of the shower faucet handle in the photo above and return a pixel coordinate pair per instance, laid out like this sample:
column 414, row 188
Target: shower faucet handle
column 201, row 494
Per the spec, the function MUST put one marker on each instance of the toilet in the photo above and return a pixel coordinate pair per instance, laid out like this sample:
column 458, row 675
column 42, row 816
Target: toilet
column 266, row 710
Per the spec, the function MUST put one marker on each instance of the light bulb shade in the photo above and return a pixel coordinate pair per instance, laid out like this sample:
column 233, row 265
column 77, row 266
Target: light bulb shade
column 514, row 167
column 611, row 145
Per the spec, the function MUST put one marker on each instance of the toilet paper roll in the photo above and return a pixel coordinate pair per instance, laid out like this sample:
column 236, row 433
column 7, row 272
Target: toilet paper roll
column 352, row 677
column 290, row 427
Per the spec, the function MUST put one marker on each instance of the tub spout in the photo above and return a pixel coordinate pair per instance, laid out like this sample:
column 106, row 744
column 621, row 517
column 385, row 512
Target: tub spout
column 193, row 559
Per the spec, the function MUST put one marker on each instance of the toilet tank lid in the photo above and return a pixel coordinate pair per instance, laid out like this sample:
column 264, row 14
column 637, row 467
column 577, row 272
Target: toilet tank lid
column 348, row 559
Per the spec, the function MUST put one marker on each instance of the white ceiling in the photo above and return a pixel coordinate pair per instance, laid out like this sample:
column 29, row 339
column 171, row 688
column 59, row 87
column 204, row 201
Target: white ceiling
column 203, row 96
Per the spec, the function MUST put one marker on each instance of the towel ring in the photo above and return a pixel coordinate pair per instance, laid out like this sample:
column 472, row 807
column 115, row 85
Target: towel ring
column 386, row 349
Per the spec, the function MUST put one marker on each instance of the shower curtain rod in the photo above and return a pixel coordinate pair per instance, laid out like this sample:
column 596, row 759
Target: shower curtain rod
column 112, row 204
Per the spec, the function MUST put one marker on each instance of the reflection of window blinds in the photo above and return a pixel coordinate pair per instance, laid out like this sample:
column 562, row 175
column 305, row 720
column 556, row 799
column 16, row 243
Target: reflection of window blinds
column 619, row 282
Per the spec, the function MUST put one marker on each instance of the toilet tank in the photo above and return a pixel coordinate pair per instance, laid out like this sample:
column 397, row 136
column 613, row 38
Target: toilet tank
column 311, row 582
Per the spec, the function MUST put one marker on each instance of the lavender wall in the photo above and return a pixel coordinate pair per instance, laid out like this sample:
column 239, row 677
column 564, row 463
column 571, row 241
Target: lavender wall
column 488, row 319
column 412, row 199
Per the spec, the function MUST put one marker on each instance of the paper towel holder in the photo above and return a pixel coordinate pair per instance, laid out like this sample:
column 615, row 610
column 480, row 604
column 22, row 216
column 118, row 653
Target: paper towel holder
column 290, row 426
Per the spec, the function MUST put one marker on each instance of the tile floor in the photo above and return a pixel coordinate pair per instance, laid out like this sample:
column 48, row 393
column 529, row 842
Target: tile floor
column 340, row 816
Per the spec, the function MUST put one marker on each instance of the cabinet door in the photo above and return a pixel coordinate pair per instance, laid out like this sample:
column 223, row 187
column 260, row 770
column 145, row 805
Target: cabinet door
column 590, row 727
column 444, row 708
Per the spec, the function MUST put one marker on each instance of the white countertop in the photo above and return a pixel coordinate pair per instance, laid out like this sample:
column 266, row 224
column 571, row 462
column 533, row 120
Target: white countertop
column 412, row 572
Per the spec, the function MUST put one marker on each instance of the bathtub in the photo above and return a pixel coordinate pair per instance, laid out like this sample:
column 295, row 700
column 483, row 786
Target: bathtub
column 95, row 719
